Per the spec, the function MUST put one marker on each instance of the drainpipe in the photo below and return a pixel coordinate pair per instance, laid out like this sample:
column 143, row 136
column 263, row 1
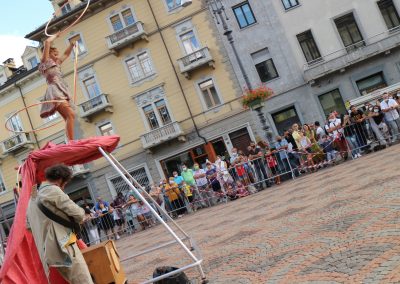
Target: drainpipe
column 27, row 112
column 176, row 75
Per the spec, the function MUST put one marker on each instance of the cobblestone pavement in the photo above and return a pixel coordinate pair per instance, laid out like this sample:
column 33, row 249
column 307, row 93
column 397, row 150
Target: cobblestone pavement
column 339, row 225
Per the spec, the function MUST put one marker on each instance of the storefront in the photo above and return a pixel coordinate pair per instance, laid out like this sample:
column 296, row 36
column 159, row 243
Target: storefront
column 221, row 146
column 81, row 196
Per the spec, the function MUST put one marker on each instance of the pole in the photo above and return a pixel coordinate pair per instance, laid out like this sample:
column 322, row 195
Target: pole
column 228, row 33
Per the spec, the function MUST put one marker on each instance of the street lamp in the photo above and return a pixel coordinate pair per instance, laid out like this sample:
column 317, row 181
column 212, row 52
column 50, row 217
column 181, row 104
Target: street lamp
column 218, row 10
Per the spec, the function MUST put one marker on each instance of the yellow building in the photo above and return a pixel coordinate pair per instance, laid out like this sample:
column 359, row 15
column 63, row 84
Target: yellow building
column 153, row 72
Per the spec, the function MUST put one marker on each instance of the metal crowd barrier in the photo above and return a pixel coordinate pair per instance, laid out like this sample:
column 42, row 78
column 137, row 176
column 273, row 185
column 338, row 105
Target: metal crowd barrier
column 240, row 180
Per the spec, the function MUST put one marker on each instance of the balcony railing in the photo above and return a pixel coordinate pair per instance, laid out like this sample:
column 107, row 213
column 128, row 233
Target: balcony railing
column 94, row 105
column 126, row 36
column 16, row 143
column 195, row 60
column 343, row 58
column 161, row 135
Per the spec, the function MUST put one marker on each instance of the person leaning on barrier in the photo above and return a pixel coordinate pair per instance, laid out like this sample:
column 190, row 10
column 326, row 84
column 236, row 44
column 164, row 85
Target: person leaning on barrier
column 359, row 118
column 55, row 239
column 389, row 108
column 376, row 121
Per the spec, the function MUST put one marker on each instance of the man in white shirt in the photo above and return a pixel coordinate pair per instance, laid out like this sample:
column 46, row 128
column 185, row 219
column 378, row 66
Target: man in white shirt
column 335, row 129
column 206, row 194
column 388, row 106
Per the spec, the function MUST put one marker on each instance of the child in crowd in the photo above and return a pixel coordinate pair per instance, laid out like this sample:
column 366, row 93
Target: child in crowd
column 91, row 226
column 131, row 213
column 327, row 146
column 241, row 190
column 231, row 192
column 187, row 190
column 227, row 180
column 144, row 210
column 273, row 164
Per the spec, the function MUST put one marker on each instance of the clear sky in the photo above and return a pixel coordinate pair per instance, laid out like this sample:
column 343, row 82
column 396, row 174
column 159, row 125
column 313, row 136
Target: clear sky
column 17, row 19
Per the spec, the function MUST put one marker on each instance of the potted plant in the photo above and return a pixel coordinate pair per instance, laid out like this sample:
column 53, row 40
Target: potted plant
column 254, row 98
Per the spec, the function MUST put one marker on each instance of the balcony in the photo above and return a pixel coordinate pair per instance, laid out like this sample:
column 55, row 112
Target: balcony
column 344, row 58
column 17, row 143
column 126, row 36
column 79, row 170
column 94, row 105
column 161, row 135
column 195, row 60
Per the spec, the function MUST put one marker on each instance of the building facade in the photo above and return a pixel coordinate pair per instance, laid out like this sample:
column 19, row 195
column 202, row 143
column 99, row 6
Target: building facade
column 151, row 71
column 316, row 55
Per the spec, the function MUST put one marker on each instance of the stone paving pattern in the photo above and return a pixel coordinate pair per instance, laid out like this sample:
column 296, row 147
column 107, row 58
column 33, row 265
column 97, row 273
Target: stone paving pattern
column 339, row 225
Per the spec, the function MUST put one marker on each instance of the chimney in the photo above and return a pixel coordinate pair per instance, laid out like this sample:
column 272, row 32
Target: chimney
column 9, row 67
column 10, row 63
column 62, row 7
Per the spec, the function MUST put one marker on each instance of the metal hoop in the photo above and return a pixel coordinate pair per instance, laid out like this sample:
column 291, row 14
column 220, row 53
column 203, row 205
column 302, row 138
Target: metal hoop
column 71, row 25
column 43, row 102
column 37, row 129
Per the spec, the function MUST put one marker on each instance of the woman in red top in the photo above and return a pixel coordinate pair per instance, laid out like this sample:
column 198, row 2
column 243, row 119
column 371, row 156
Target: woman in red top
column 272, row 163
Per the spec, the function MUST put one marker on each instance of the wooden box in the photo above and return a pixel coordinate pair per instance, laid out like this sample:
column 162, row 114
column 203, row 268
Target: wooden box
column 104, row 265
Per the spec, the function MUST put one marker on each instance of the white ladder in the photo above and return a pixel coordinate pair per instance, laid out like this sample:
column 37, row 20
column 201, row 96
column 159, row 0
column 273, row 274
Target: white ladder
column 142, row 194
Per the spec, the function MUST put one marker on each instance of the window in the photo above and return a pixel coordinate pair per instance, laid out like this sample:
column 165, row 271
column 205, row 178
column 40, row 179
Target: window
column 240, row 139
column 121, row 20
column 264, row 65
column 116, row 23
column 33, row 61
column 2, row 184
column 15, row 123
column 128, row 17
column 79, row 42
column 244, row 15
column 332, row 101
column 91, row 87
column 189, row 42
column 349, row 31
column 151, row 117
column 157, row 114
column 284, row 119
column 163, row 111
column 106, row 129
column 140, row 66
column 290, row 3
column 154, row 108
column 65, row 7
column 173, row 4
column 140, row 175
column 266, row 70
column 371, row 83
column 209, row 93
column 309, row 47
column 389, row 13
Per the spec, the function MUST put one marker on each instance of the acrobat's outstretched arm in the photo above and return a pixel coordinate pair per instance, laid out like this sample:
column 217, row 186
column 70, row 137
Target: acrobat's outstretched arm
column 47, row 46
column 67, row 52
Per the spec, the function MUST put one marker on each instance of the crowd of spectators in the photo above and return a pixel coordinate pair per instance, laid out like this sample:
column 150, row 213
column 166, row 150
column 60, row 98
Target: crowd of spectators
column 301, row 149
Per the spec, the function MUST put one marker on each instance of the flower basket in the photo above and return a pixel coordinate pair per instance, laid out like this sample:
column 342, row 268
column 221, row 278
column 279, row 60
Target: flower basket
column 254, row 98
column 255, row 104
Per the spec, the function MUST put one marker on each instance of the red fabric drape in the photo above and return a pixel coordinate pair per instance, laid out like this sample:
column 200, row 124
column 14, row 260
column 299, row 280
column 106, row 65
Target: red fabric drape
column 22, row 263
